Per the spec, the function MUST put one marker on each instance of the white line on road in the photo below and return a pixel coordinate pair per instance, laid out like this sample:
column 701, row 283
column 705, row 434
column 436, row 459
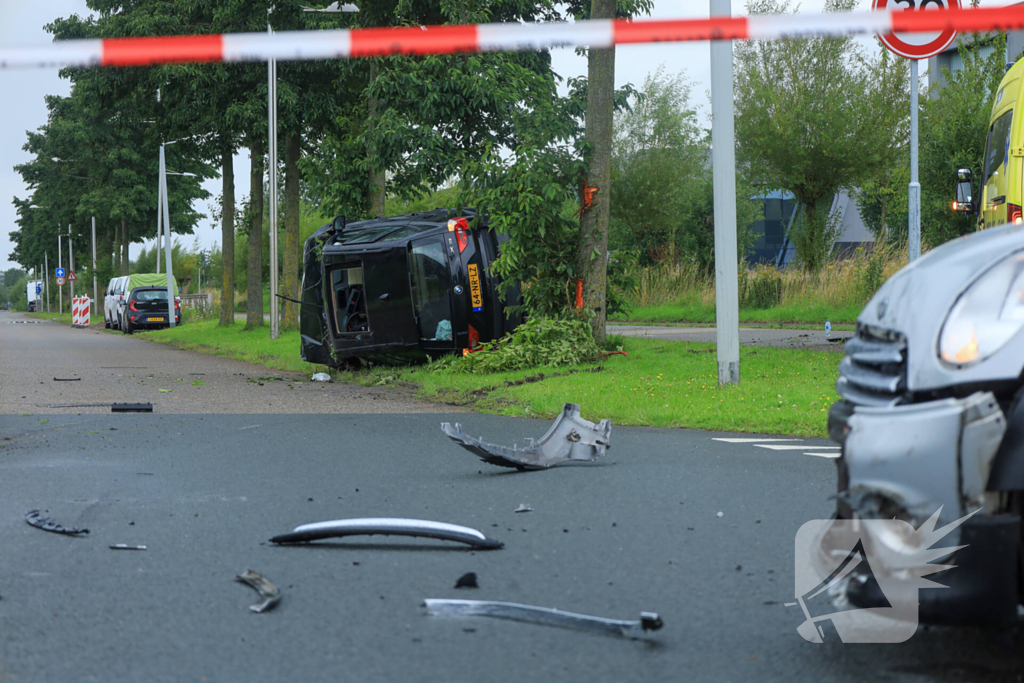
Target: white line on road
column 824, row 455
column 795, row 448
column 751, row 440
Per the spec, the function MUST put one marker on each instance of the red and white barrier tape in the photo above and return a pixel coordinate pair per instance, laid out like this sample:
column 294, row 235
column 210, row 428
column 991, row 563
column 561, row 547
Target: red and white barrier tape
column 341, row 44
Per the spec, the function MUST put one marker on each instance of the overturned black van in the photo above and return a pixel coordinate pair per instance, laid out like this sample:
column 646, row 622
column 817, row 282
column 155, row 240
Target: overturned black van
column 401, row 288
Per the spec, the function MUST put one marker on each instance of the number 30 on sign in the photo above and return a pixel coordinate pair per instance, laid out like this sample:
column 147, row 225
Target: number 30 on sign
column 917, row 45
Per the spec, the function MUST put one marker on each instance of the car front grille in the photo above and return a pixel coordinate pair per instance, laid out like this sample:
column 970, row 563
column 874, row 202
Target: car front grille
column 874, row 371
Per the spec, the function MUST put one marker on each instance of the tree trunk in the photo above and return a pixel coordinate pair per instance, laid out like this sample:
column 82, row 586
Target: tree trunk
column 227, row 233
column 106, row 247
column 125, row 242
column 377, row 179
column 115, row 251
column 592, row 254
column 292, row 248
column 254, row 283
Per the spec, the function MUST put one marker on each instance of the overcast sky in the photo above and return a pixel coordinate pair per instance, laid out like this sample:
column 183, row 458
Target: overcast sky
column 21, row 23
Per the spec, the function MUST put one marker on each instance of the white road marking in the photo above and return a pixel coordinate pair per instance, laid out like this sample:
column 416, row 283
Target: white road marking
column 824, row 455
column 752, row 440
column 775, row 447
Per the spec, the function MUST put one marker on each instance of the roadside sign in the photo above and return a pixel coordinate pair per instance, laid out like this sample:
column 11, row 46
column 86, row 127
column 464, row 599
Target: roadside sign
column 60, row 279
column 39, row 288
column 71, row 276
column 917, row 45
column 60, row 272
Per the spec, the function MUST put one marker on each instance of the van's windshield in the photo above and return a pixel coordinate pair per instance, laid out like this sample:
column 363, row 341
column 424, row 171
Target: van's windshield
column 997, row 146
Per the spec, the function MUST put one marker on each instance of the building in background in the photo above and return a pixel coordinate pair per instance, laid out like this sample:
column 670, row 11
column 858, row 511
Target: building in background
column 950, row 58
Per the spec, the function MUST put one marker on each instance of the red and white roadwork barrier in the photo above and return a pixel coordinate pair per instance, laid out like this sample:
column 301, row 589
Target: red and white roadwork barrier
column 426, row 40
column 80, row 311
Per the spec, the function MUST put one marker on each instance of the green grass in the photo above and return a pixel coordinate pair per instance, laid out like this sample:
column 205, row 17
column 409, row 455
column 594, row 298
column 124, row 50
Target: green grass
column 659, row 384
column 66, row 318
column 252, row 346
column 812, row 315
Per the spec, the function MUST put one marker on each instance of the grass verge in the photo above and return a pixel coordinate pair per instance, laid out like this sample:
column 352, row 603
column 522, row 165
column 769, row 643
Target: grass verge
column 807, row 315
column 659, row 384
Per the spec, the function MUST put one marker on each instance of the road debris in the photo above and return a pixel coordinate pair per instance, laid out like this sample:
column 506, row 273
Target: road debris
column 467, row 580
column 70, row 379
column 388, row 526
column 131, row 408
column 263, row 586
column 47, row 524
column 523, row 507
column 649, row 621
column 569, row 438
column 320, row 377
column 125, row 546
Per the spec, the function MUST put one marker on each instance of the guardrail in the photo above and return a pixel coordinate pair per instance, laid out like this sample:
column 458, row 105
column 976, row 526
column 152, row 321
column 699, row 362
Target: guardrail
column 197, row 301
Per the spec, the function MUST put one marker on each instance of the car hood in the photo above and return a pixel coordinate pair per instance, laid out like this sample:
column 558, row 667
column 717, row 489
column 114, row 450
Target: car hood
column 916, row 300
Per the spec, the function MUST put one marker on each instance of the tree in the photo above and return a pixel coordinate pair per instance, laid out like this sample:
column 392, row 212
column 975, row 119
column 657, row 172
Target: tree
column 802, row 121
column 882, row 192
column 591, row 254
column 254, row 279
column 954, row 127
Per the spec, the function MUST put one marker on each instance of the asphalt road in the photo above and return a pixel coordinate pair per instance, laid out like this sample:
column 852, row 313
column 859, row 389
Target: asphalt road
column 104, row 368
column 638, row 530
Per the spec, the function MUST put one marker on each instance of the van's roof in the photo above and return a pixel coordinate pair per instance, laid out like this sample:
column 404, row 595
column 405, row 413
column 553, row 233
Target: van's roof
column 394, row 228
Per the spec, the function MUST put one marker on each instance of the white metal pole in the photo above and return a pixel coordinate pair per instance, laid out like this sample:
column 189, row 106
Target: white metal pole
column 159, row 211
column 60, row 289
column 167, row 244
column 272, row 167
column 71, row 261
column 46, row 278
column 723, row 161
column 95, row 291
column 914, row 191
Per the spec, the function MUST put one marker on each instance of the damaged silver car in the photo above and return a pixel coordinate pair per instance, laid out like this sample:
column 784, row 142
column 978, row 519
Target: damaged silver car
column 932, row 421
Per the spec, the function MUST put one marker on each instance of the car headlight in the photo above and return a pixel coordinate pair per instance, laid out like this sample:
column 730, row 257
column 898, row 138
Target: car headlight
column 987, row 314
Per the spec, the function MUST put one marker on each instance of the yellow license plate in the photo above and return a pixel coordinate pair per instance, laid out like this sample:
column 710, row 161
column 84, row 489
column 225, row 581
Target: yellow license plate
column 156, row 320
column 474, row 288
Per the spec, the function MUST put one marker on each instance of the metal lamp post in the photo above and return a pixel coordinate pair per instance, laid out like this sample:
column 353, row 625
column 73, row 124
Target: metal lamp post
column 333, row 8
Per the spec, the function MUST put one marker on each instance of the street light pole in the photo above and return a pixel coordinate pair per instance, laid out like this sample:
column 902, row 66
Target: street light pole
column 95, row 291
column 71, row 262
column 60, row 290
column 914, row 189
column 272, row 168
column 46, row 278
column 723, row 162
column 167, row 246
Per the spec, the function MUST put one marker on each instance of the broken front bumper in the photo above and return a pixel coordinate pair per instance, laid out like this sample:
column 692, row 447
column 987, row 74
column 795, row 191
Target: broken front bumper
column 909, row 462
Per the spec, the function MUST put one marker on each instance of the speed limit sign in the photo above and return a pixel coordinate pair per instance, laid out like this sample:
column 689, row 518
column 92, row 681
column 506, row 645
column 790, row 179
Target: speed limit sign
column 917, row 45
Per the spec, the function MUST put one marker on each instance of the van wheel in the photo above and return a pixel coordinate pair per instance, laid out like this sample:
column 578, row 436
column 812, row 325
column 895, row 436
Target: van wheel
column 128, row 327
column 106, row 323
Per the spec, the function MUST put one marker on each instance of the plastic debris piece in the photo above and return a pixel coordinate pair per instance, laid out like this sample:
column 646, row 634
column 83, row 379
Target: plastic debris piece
column 125, row 546
column 523, row 507
column 648, row 621
column 47, row 524
column 720, row 514
column 388, row 526
column 70, row 379
column 263, row 586
column 321, row 377
column 467, row 580
column 131, row 408
column 569, row 438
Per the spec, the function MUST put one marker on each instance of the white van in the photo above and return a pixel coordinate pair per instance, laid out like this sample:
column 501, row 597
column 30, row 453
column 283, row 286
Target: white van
column 113, row 296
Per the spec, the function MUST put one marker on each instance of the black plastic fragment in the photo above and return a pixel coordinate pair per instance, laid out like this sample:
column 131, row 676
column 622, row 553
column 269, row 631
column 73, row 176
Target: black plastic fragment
column 131, row 407
column 47, row 524
column 467, row 580
column 69, row 379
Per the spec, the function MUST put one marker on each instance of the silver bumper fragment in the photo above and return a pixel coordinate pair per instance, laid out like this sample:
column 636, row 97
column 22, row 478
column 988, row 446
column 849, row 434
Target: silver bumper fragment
column 570, row 438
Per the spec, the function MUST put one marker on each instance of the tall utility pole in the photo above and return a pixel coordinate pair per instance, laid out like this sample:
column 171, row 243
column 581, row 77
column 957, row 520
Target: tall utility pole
column 272, row 175
column 60, row 290
column 723, row 162
column 95, row 291
column 166, row 208
column 914, row 190
column 71, row 262
column 46, row 278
